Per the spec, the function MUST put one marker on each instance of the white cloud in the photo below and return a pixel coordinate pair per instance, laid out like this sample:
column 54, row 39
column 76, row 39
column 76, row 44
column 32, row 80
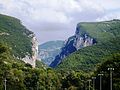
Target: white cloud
column 108, row 4
column 109, row 16
column 45, row 15
column 47, row 10
column 62, row 15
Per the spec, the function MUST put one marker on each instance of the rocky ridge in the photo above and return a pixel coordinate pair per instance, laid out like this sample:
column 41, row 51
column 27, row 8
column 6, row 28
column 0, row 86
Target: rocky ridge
column 74, row 43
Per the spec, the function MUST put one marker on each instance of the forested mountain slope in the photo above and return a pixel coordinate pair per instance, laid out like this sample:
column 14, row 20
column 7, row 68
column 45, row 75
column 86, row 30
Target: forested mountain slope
column 21, row 41
column 106, row 38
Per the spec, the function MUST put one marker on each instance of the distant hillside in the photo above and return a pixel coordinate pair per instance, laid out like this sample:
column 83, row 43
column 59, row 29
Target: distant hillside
column 17, row 37
column 48, row 51
column 91, row 42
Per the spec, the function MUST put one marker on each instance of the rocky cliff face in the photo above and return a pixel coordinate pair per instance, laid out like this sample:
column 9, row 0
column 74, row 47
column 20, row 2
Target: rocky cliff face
column 32, row 59
column 77, row 41
column 22, row 41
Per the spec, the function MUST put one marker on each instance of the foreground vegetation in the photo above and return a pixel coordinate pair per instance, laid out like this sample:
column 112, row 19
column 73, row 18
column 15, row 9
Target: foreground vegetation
column 21, row 76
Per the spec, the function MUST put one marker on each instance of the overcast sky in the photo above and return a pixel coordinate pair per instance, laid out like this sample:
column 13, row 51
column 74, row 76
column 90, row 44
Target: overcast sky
column 57, row 19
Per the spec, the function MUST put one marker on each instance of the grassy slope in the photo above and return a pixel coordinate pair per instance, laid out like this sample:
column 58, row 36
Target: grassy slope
column 15, row 35
column 107, row 35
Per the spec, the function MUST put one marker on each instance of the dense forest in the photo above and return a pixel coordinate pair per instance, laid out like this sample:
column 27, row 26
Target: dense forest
column 21, row 76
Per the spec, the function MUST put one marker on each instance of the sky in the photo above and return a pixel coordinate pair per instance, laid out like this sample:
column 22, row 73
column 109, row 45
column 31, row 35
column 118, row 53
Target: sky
column 57, row 19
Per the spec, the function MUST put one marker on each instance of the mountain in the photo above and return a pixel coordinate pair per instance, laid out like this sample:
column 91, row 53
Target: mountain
column 17, row 75
column 48, row 51
column 22, row 42
column 91, row 42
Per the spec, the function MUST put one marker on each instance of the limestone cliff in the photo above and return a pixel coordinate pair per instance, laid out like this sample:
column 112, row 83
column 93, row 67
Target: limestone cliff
column 32, row 59
column 79, row 40
column 105, row 36
column 22, row 42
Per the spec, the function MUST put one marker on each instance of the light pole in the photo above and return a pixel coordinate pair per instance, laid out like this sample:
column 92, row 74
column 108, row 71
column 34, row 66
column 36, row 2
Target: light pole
column 100, row 80
column 84, row 86
column 89, row 83
column 93, row 78
column 37, row 85
column 111, row 69
column 5, row 83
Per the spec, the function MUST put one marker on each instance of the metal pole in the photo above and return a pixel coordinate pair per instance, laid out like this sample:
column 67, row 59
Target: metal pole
column 93, row 82
column 37, row 85
column 110, row 79
column 100, row 83
column 111, row 69
column 85, row 85
column 5, row 83
column 100, row 80
column 89, row 83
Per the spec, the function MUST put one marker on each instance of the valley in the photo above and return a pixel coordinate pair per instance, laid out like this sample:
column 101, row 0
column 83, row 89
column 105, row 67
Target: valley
column 89, row 53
